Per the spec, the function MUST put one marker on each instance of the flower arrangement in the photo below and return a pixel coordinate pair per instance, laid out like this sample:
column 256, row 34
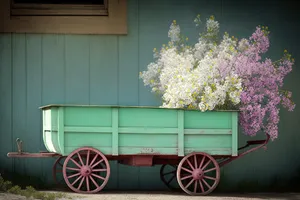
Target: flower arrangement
column 222, row 74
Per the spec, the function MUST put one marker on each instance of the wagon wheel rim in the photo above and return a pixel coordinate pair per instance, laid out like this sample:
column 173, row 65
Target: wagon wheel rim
column 193, row 174
column 169, row 176
column 57, row 170
column 86, row 179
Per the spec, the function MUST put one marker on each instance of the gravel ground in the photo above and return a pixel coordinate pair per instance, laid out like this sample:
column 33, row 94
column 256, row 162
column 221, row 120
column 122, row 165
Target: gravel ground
column 166, row 196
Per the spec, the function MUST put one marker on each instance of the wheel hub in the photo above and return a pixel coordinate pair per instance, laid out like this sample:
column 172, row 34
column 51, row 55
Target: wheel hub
column 85, row 171
column 197, row 174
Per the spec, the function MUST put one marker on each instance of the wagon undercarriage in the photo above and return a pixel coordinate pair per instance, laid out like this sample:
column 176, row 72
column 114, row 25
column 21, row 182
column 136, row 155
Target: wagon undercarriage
column 87, row 170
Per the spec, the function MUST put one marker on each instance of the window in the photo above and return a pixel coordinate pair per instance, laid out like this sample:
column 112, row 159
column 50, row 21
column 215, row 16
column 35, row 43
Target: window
column 64, row 16
column 58, row 7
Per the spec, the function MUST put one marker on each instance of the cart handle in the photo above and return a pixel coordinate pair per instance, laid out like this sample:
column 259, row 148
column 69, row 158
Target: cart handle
column 262, row 143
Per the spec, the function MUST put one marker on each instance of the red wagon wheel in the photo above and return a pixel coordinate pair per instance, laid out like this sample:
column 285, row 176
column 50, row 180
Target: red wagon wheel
column 91, row 167
column 168, row 176
column 57, row 170
column 198, row 174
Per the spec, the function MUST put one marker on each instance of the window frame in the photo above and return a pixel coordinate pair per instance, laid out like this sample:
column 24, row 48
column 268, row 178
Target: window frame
column 90, row 21
column 33, row 9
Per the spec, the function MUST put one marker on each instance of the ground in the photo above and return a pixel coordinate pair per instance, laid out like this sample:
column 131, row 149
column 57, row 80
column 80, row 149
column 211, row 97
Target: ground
column 166, row 196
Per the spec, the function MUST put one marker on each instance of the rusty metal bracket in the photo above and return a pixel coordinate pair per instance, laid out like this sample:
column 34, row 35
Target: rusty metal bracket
column 19, row 145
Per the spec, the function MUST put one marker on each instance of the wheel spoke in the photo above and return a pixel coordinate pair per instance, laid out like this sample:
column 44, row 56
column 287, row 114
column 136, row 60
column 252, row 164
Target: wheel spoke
column 76, row 180
column 190, row 164
column 99, row 170
column 170, row 180
column 172, row 172
column 201, row 186
column 94, row 159
column 73, row 175
column 94, row 181
column 75, row 162
column 100, row 177
column 71, row 168
column 189, row 183
column 185, row 169
column 80, row 159
column 202, row 161
column 87, row 158
column 206, row 164
column 204, row 181
column 87, row 183
column 80, row 183
column 195, row 187
column 195, row 162
column 209, row 170
column 186, row 177
column 97, row 163
column 210, row 178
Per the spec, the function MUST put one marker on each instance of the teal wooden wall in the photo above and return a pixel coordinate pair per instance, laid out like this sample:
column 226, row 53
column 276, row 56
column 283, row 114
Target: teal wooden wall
column 39, row 69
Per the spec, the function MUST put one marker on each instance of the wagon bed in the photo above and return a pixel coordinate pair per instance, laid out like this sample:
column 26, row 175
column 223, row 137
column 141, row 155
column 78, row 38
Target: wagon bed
column 139, row 130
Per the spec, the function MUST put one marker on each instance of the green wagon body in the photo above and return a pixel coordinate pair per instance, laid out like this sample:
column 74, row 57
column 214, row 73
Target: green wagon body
column 187, row 143
column 116, row 130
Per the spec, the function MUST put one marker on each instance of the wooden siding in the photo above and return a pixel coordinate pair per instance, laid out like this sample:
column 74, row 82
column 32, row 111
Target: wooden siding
column 39, row 69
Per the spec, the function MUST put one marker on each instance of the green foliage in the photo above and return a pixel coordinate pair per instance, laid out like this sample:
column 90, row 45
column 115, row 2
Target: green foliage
column 29, row 191
column 4, row 185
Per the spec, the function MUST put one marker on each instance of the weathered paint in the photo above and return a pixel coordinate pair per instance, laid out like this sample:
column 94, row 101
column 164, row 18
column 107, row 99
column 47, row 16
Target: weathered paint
column 39, row 69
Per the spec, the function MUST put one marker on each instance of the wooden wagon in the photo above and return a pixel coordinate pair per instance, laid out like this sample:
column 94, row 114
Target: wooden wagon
column 85, row 137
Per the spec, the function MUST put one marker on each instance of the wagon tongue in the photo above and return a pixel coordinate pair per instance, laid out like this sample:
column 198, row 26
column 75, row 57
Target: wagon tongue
column 21, row 154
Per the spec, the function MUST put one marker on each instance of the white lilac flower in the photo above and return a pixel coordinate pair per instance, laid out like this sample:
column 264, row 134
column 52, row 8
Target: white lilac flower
column 199, row 77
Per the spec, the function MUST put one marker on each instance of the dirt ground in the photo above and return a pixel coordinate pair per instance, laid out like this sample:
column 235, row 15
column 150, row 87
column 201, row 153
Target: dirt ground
column 166, row 196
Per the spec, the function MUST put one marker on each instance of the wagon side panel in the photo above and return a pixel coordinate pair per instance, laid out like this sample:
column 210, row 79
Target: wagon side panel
column 88, row 126
column 148, row 131
column 50, row 129
column 209, row 132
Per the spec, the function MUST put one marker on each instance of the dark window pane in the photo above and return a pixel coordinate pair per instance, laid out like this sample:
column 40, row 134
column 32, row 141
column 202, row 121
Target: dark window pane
column 95, row 2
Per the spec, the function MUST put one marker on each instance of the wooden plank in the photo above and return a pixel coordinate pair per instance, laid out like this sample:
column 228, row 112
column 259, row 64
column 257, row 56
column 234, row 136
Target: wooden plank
column 210, row 151
column 33, row 101
column 88, row 139
column 148, row 140
column 77, row 69
column 148, row 118
column 88, row 116
column 104, row 150
column 138, row 130
column 115, row 138
column 104, row 70
column 234, row 134
column 180, row 133
column 61, row 133
column 207, row 120
column 207, row 131
column 19, row 92
column 208, row 141
column 53, row 69
column 150, row 151
column 7, row 142
column 128, row 60
column 83, row 129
